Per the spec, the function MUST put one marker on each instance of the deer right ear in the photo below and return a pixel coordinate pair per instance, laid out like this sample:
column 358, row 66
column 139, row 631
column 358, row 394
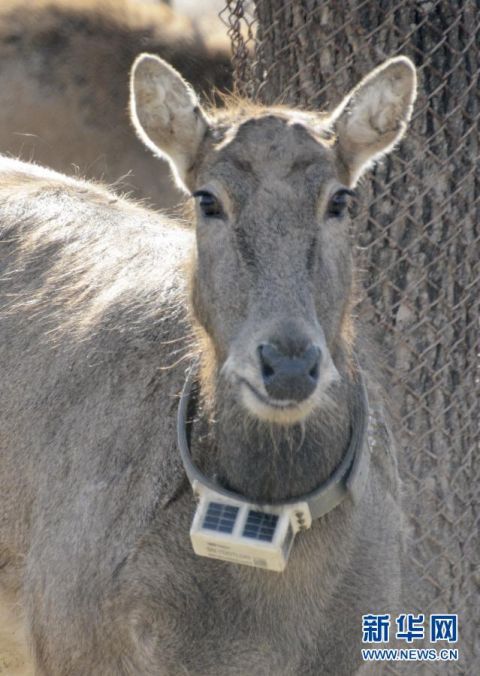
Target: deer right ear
column 166, row 114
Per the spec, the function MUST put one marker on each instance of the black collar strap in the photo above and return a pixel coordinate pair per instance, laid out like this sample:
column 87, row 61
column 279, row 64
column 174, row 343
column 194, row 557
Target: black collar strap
column 348, row 478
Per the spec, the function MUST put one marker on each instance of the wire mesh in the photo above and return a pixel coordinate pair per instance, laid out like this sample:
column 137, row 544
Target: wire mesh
column 418, row 245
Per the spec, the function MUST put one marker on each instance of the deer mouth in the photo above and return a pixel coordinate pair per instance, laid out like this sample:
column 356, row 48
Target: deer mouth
column 284, row 412
column 267, row 401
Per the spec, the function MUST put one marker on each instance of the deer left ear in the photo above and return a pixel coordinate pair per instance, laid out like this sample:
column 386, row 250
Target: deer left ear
column 373, row 117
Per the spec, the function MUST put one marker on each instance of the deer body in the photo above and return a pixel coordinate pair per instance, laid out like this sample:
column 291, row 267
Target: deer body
column 103, row 304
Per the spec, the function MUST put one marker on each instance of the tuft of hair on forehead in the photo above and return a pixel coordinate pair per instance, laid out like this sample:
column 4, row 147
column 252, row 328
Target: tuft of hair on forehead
column 232, row 106
column 236, row 110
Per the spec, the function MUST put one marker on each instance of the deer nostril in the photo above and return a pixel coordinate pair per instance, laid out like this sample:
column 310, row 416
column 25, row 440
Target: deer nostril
column 267, row 356
column 313, row 373
column 267, row 370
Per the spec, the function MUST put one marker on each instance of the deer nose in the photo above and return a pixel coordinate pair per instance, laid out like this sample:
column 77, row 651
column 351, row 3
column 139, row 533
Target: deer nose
column 292, row 377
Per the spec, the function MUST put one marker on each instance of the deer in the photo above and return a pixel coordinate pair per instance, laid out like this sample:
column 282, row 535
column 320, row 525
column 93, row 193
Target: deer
column 64, row 86
column 198, row 474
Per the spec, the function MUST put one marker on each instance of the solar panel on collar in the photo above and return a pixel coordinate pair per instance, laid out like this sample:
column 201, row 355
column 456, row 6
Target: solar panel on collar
column 260, row 526
column 220, row 517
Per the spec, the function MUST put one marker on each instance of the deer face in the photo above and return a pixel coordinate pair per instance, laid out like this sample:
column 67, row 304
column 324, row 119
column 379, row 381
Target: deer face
column 272, row 283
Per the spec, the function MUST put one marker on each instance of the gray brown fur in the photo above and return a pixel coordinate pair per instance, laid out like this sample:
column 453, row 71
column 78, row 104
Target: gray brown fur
column 103, row 305
column 64, row 85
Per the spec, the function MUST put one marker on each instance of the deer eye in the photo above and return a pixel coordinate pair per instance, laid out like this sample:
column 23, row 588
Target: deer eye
column 338, row 203
column 209, row 204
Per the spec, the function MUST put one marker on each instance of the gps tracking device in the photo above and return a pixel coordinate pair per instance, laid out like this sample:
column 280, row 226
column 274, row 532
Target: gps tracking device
column 229, row 527
column 245, row 533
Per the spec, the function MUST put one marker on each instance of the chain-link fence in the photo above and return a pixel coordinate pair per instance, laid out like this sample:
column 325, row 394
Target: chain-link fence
column 418, row 236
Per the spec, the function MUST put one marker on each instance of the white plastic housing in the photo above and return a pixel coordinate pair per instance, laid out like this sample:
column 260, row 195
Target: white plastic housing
column 247, row 534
